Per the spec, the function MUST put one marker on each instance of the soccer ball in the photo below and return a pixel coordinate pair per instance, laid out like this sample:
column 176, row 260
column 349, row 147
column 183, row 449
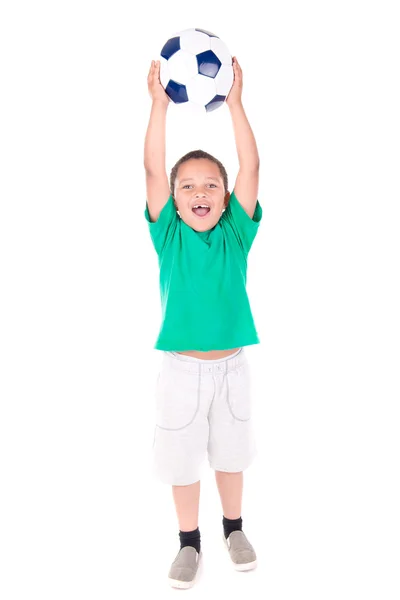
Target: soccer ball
column 196, row 69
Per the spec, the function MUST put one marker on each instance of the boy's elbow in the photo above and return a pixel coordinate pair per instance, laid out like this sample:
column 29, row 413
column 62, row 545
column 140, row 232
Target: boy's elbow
column 147, row 164
column 250, row 162
column 153, row 170
column 149, row 170
column 251, row 168
column 256, row 162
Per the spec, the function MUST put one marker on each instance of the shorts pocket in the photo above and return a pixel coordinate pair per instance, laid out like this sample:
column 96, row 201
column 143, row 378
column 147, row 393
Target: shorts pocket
column 177, row 398
column 239, row 392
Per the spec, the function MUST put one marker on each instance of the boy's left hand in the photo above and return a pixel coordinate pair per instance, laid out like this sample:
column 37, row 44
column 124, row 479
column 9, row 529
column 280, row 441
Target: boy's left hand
column 235, row 94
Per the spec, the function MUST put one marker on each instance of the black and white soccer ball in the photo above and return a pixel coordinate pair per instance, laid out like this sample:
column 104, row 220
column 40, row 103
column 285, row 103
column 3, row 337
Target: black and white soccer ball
column 196, row 69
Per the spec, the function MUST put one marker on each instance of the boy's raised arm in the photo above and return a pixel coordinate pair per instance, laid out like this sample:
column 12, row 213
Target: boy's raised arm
column 246, row 186
column 157, row 185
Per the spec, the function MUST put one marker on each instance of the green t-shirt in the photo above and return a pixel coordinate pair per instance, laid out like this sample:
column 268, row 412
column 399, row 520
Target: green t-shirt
column 203, row 280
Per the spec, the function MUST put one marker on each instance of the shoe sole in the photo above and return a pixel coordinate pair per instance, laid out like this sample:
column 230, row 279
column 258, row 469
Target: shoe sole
column 241, row 566
column 184, row 585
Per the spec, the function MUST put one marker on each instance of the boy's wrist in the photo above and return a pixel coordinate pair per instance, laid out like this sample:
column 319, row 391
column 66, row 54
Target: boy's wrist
column 236, row 105
column 159, row 103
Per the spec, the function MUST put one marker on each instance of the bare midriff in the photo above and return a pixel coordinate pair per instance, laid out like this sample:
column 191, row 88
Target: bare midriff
column 211, row 355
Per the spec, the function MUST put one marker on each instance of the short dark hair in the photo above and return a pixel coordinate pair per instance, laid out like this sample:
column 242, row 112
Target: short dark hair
column 197, row 154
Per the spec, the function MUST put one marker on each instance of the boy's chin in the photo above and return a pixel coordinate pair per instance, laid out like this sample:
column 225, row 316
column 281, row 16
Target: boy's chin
column 200, row 225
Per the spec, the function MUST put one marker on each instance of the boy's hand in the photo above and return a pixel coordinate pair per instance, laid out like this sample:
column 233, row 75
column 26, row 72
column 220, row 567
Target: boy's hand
column 156, row 90
column 235, row 95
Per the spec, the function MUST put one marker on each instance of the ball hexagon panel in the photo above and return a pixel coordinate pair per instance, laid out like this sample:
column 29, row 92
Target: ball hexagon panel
column 224, row 80
column 194, row 41
column 164, row 72
column 205, row 31
column 192, row 109
column 182, row 66
column 201, row 89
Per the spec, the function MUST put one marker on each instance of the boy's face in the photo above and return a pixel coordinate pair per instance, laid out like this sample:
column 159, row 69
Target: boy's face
column 199, row 183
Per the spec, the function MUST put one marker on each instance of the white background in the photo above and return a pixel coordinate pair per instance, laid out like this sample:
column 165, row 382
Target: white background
column 81, row 515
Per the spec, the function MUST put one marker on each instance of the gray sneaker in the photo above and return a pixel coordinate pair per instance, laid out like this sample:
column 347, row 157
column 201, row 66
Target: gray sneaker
column 184, row 568
column 241, row 551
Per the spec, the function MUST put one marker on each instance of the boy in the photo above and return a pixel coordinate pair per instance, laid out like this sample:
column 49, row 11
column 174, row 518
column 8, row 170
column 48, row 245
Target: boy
column 202, row 235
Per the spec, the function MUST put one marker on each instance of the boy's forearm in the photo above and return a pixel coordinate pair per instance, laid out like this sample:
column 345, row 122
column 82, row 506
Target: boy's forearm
column 154, row 145
column 245, row 141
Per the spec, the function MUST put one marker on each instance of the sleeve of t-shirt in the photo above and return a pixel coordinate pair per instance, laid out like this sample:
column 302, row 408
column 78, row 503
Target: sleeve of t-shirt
column 162, row 230
column 244, row 227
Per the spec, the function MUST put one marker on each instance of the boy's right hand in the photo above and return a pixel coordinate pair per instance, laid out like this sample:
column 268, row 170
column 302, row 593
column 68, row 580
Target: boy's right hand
column 156, row 90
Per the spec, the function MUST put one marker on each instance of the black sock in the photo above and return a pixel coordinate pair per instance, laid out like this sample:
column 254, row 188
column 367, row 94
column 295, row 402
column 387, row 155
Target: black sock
column 231, row 525
column 190, row 538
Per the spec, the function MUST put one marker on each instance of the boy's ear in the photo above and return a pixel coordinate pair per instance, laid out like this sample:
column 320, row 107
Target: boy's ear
column 226, row 199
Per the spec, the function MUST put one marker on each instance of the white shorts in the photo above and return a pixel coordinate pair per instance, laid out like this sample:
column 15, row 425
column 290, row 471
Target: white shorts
column 202, row 405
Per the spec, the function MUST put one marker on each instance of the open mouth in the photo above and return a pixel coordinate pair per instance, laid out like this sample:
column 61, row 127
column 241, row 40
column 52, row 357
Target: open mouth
column 201, row 210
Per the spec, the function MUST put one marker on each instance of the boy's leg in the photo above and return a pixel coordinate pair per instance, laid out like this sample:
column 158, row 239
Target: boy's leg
column 186, row 498
column 231, row 449
column 183, row 396
column 185, row 566
column 230, row 487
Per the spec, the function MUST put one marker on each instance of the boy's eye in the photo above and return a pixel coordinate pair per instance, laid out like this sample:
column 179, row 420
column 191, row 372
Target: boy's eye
column 187, row 185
